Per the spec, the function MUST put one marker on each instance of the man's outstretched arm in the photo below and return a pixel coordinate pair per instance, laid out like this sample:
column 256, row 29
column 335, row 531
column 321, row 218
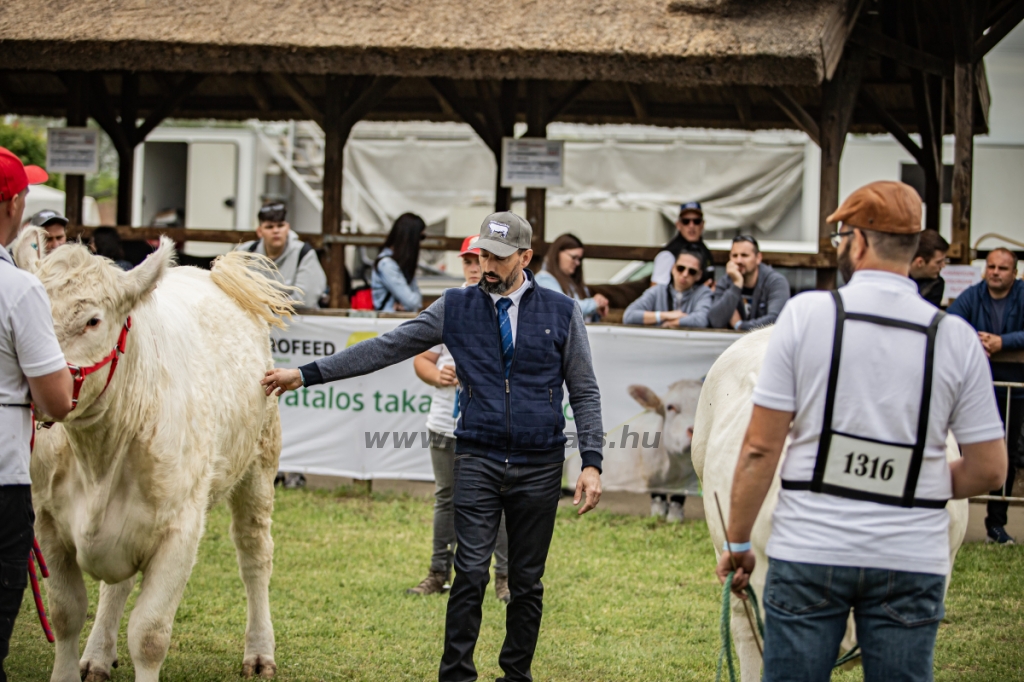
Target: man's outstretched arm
column 401, row 343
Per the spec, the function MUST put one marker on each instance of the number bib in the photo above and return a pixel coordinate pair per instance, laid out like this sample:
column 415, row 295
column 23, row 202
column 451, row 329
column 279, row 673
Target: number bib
column 863, row 468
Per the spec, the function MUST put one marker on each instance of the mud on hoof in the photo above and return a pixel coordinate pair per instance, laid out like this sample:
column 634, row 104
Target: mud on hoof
column 92, row 671
column 263, row 666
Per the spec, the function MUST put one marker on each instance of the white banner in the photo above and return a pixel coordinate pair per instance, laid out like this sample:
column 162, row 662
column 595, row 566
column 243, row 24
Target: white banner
column 374, row 426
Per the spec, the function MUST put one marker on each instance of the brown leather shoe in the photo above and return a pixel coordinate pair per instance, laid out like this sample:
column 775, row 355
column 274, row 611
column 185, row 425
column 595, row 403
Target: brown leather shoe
column 436, row 582
column 501, row 588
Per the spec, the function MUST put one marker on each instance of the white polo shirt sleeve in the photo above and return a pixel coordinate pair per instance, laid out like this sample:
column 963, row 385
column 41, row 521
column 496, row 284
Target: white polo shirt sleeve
column 663, row 263
column 776, row 384
column 35, row 343
column 974, row 418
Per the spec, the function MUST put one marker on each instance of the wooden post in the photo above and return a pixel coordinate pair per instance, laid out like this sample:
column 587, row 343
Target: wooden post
column 334, row 148
column 838, row 97
column 74, row 185
column 126, row 156
column 963, row 160
column 536, row 126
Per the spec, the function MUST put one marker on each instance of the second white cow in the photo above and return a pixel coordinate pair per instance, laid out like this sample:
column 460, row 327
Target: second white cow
column 721, row 422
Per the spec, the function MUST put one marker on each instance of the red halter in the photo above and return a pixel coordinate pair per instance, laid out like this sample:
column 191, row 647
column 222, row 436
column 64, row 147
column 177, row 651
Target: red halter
column 80, row 373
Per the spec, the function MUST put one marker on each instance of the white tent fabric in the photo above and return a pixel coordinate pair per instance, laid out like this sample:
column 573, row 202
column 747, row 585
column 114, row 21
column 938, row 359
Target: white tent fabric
column 742, row 179
column 45, row 197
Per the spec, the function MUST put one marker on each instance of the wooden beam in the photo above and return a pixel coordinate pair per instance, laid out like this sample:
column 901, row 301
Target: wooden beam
column 491, row 113
column 506, row 121
column 741, row 99
column 981, row 92
column 367, row 100
column 77, row 116
column 335, row 135
column 636, row 98
column 893, row 126
column 558, row 106
column 182, row 90
column 796, row 113
column 180, row 234
column 901, row 52
column 126, row 158
column 997, row 31
column 963, row 158
column 836, row 33
column 446, row 91
column 103, row 111
column 259, row 92
column 536, row 197
column 298, row 94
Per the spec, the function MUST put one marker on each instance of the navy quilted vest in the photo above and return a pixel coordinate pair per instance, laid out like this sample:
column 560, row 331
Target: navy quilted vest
column 519, row 421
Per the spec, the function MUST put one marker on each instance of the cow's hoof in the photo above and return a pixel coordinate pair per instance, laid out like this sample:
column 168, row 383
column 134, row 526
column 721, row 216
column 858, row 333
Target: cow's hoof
column 263, row 666
column 92, row 672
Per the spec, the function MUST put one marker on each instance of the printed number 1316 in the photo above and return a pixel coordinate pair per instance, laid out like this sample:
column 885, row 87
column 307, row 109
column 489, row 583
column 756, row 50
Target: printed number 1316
column 863, row 465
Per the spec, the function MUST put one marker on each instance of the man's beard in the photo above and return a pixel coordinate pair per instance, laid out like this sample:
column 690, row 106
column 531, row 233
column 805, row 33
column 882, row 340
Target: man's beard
column 845, row 264
column 502, row 285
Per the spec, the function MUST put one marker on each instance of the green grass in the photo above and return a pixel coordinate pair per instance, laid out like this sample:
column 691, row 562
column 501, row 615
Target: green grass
column 626, row 599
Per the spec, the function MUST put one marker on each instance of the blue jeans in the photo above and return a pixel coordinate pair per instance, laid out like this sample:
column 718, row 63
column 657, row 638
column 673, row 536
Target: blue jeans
column 897, row 614
column 528, row 494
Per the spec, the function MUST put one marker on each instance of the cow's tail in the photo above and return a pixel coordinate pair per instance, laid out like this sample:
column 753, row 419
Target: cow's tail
column 249, row 279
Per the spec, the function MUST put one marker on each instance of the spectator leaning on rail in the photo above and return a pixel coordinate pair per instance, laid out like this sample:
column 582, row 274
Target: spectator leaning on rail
column 437, row 368
column 865, row 383
column 927, row 264
column 995, row 308
column 563, row 272
column 684, row 303
column 394, row 272
column 32, row 370
column 296, row 260
column 751, row 294
column 690, row 227
column 514, row 345
column 55, row 225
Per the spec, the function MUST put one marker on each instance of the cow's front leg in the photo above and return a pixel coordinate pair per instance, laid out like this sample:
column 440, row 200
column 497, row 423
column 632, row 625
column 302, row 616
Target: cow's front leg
column 68, row 602
column 163, row 583
column 101, row 650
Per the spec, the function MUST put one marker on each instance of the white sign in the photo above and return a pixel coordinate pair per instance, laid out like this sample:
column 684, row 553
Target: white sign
column 532, row 162
column 374, row 426
column 958, row 279
column 75, row 151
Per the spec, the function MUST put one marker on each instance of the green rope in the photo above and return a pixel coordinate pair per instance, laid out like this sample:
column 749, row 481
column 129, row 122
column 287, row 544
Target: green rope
column 725, row 654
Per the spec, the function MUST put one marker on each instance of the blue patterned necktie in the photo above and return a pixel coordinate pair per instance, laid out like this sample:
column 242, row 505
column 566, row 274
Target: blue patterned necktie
column 505, row 325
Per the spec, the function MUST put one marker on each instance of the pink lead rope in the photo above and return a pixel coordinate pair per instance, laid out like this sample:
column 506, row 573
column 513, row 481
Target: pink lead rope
column 37, row 555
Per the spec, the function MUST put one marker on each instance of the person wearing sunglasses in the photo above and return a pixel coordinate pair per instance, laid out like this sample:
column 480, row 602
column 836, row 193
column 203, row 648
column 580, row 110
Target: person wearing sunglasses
column 684, row 303
column 690, row 226
column 563, row 272
column 751, row 294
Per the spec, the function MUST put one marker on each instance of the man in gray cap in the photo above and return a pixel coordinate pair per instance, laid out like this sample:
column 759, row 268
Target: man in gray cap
column 514, row 344
column 55, row 225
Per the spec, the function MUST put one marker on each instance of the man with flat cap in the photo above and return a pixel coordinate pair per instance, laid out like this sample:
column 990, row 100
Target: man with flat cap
column 865, row 382
column 514, row 345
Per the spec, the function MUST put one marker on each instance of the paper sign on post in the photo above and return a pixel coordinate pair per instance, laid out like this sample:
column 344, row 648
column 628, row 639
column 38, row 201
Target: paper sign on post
column 532, row 162
column 75, row 151
column 959, row 278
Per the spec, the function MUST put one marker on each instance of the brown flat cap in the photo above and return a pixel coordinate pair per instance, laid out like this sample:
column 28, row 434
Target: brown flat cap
column 883, row 206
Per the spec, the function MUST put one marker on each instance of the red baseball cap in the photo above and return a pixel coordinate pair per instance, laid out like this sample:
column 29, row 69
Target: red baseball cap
column 469, row 245
column 15, row 176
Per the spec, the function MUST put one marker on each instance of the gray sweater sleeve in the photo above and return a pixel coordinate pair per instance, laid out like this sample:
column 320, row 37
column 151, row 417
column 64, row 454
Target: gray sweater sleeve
column 584, row 395
column 724, row 301
column 777, row 290
column 647, row 302
column 401, row 343
column 698, row 315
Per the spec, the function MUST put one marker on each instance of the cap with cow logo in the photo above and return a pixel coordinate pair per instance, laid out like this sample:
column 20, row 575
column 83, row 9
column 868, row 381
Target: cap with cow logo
column 504, row 233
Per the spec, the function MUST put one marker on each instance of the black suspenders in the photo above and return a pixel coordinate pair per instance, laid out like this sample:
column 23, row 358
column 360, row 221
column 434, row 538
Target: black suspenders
column 818, row 482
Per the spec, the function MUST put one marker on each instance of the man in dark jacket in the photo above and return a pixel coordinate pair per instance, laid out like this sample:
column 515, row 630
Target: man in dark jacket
column 690, row 237
column 751, row 294
column 514, row 344
column 995, row 308
column 927, row 264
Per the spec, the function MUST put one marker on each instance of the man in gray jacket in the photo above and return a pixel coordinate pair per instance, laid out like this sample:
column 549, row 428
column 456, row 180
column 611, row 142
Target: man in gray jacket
column 751, row 294
column 296, row 261
column 683, row 303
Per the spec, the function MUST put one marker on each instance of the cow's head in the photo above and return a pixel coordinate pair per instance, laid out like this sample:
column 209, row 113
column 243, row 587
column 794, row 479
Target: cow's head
column 90, row 297
column 677, row 409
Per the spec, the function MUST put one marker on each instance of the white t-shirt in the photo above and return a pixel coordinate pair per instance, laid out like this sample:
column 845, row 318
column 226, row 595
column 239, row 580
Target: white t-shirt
column 663, row 262
column 878, row 396
column 28, row 348
column 441, row 418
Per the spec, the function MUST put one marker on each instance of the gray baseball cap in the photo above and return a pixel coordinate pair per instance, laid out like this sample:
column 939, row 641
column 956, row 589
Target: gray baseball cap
column 47, row 217
column 505, row 233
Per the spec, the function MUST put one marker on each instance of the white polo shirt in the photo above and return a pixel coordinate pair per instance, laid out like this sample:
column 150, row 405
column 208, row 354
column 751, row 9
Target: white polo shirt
column 878, row 396
column 28, row 348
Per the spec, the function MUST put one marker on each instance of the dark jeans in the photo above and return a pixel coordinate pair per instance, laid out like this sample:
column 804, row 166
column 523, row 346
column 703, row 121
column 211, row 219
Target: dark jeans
column 897, row 615
column 997, row 511
column 15, row 543
column 528, row 494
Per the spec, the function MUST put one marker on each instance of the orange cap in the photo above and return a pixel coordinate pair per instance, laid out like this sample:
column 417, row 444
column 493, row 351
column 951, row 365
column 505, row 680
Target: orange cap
column 469, row 245
column 883, row 206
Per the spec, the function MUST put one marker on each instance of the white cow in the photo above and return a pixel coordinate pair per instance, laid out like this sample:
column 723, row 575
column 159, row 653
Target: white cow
column 722, row 418
column 666, row 465
column 124, row 484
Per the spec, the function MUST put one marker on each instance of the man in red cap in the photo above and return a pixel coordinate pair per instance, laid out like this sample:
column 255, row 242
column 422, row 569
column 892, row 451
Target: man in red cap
column 32, row 370
column 865, row 382
column 437, row 368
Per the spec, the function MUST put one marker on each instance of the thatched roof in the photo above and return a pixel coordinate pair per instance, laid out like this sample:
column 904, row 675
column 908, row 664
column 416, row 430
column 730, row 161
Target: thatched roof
column 667, row 42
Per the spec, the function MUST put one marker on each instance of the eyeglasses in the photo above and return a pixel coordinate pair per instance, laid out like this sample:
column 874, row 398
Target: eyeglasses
column 691, row 221
column 837, row 238
column 693, row 272
column 574, row 258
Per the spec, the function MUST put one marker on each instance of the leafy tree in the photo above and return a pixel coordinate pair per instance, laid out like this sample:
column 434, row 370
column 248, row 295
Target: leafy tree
column 29, row 144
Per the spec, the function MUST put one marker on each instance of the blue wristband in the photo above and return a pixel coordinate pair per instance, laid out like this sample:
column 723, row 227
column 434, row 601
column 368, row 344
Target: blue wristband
column 736, row 547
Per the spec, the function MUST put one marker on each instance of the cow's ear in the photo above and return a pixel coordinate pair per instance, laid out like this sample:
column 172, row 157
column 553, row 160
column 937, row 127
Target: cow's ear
column 142, row 279
column 29, row 248
column 647, row 398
